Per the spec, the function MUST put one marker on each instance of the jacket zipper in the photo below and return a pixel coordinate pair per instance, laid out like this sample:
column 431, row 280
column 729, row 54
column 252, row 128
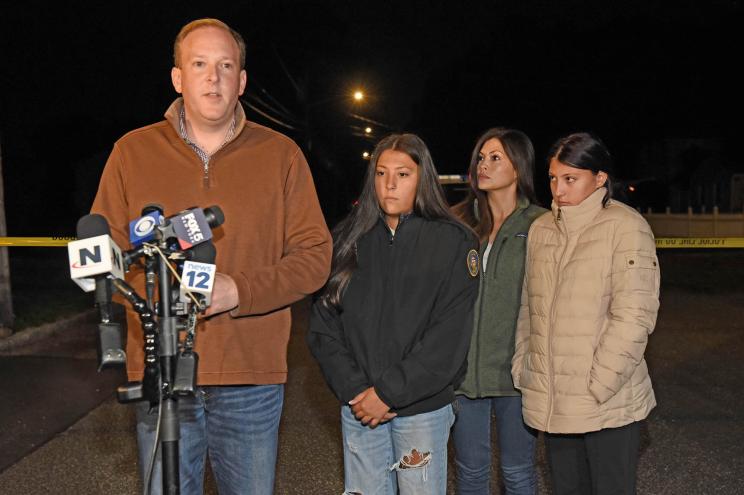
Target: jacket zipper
column 385, row 287
column 205, row 177
column 229, row 137
column 550, row 325
column 388, row 275
column 392, row 232
column 480, row 312
column 480, row 307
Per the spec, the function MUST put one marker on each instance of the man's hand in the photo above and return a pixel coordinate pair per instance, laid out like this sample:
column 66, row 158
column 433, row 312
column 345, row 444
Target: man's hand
column 224, row 295
column 370, row 409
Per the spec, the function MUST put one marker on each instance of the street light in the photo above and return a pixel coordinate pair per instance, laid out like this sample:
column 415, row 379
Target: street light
column 368, row 130
column 365, row 155
column 358, row 95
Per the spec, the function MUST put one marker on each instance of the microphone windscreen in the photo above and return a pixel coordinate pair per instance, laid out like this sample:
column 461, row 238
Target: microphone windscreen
column 151, row 208
column 204, row 252
column 92, row 225
column 214, row 215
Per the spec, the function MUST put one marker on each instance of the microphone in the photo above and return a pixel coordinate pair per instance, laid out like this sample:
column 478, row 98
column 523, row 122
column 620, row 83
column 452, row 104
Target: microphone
column 192, row 226
column 198, row 274
column 201, row 253
column 94, row 253
column 214, row 215
column 188, row 228
column 143, row 229
column 92, row 225
column 93, row 259
column 197, row 278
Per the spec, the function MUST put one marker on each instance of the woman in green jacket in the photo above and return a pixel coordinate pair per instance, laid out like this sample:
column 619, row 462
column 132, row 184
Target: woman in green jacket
column 500, row 208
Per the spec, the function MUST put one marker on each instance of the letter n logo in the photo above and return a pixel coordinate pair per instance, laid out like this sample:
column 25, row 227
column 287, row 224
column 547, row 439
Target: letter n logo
column 117, row 259
column 86, row 255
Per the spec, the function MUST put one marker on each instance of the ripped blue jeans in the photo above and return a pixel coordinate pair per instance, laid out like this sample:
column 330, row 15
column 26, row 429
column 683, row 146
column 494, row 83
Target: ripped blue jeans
column 407, row 453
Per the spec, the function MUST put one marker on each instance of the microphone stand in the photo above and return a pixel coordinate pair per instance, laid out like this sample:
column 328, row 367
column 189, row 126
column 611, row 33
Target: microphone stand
column 161, row 342
column 168, row 403
column 160, row 384
column 165, row 383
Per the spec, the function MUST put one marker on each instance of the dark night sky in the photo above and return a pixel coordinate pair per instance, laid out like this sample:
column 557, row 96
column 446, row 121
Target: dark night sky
column 76, row 76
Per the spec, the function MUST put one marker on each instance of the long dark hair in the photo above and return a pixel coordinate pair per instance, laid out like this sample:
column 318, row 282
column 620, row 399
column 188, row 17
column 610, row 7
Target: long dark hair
column 429, row 204
column 474, row 210
column 585, row 151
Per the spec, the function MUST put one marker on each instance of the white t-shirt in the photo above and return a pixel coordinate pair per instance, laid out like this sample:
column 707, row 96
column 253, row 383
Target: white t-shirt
column 485, row 255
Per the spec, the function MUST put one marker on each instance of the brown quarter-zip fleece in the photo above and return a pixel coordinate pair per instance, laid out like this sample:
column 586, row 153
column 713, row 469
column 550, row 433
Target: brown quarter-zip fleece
column 274, row 242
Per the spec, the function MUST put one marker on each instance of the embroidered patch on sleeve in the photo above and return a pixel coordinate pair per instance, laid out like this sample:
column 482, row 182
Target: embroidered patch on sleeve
column 473, row 262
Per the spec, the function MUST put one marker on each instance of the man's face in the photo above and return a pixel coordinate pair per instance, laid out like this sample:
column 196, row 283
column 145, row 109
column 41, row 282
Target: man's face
column 209, row 77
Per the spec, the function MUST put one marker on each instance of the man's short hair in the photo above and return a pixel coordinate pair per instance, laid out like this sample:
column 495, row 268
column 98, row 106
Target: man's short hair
column 199, row 23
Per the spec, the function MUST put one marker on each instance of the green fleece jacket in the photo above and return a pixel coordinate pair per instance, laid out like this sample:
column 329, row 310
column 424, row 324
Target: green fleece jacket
column 497, row 308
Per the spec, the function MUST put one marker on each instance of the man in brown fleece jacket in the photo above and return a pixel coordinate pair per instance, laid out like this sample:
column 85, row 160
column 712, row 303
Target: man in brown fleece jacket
column 273, row 249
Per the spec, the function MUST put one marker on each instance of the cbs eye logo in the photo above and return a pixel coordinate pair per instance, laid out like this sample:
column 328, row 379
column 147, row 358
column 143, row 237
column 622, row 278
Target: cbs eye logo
column 144, row 226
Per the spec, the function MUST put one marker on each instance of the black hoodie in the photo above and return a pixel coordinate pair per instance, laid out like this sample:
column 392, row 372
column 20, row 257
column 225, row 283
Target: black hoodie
column 406, row 317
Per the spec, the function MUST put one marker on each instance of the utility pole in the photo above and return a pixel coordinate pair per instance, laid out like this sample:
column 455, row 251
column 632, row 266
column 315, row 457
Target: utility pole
column 6, row 301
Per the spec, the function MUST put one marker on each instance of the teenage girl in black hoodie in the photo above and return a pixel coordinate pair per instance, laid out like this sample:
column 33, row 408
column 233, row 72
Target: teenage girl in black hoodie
column 391, row 328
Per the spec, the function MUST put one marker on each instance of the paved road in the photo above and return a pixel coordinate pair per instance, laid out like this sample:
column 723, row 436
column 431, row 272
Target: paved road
column 693, row 442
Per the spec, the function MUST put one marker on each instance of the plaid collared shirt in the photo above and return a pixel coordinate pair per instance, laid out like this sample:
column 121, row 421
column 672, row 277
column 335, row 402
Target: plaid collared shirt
column 203, row 155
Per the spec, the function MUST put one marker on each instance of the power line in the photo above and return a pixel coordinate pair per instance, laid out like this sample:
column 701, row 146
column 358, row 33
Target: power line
column 266, row 115
column 264, row 92
column 370, row 121
column 284, row 115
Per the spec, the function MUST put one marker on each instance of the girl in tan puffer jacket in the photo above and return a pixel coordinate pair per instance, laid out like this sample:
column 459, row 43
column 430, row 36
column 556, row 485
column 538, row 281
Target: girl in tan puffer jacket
column 589, row 303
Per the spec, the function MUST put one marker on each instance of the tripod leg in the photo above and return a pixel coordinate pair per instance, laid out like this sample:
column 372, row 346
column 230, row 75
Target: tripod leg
column 169, row 445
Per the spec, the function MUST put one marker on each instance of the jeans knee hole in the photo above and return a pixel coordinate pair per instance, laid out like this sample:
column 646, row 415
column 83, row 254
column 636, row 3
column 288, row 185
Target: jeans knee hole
column 413, row 460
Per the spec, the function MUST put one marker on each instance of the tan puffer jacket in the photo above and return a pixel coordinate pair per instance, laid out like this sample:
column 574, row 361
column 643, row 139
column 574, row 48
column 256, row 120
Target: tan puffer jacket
column 589, row 303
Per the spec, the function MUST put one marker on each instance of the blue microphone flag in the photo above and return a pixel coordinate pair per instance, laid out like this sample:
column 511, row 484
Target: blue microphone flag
column 143, row 229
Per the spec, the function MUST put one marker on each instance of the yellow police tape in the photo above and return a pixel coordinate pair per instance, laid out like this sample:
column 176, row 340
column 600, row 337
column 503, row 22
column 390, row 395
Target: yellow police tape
column 661, row 242
column 699, row 242
column 36, row 241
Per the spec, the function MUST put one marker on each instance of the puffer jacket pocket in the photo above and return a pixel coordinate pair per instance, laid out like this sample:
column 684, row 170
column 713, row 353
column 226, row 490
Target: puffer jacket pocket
column 645, row 268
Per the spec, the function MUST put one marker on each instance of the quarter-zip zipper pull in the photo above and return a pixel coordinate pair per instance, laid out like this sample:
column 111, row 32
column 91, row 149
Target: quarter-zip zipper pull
column 205, row 177
column 392, row 232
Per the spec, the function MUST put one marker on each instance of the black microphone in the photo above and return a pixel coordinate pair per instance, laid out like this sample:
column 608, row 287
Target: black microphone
column 192, row 226
column 152, row 208
column 92, row 225
column 197, row 274
column 110, row 342
column 214, row 215
column 199, row 264
column 89, row 226
column 183, row 231
column 202, row 253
